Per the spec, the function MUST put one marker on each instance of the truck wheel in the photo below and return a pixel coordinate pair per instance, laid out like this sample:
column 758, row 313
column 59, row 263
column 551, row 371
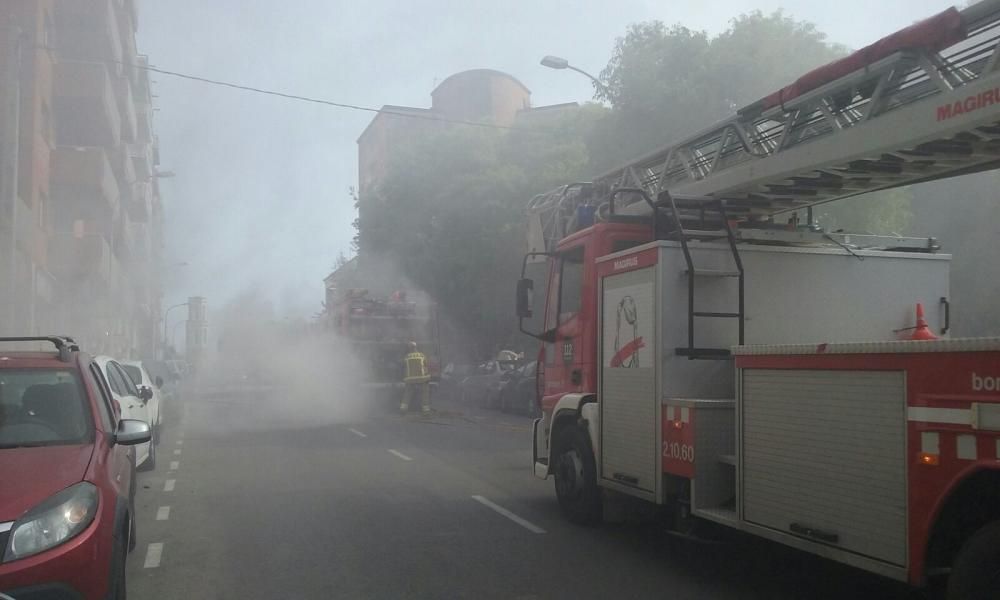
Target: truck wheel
column 576, row 479
column 975, row 575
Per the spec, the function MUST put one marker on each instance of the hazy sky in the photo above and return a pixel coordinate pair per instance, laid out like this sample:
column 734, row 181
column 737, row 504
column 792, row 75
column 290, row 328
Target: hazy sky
column 260, row 198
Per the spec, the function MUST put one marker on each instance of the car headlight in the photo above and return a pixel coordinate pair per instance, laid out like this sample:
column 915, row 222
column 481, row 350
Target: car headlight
column 55, row 521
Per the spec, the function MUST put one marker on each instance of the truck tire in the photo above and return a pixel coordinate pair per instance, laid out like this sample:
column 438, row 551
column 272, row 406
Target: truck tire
column 975, row 575
column 576, row 478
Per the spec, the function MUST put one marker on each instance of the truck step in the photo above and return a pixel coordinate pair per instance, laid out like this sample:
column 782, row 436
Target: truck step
column 711, row 273
column 717, row 315
column 704, row 353
column 725, row 516
column 728, row 459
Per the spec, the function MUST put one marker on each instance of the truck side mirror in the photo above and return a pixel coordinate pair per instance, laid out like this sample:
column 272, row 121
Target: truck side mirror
column 525, row 297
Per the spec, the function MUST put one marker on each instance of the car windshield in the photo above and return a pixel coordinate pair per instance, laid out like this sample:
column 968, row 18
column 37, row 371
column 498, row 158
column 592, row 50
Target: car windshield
column 134, row 373
column 42, row 407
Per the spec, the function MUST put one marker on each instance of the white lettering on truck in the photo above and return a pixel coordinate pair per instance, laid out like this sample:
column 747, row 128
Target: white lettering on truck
column 625, row 263
column 985, row 384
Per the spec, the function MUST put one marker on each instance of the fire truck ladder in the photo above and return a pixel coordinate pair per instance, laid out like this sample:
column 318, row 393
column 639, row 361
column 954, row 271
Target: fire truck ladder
column 712, row 224
column 708, row 229
column 919, row 105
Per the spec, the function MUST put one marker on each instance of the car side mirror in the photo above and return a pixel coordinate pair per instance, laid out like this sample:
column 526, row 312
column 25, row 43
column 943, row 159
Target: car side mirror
column 131, row 432
column 525, row 297
column 145, row 393
column 158, row 382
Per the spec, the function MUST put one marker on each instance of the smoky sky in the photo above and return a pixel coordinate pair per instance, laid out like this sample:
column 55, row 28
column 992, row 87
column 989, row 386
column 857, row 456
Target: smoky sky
column 260, row 197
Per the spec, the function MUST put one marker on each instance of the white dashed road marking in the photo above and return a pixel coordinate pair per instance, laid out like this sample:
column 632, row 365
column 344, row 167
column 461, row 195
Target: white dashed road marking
column 398, row 454
column 174, row 465
column 177, row 452
column 357, row 433
column 180, row 442
column 154, row 552
column 168, row 485
column 503, row 511
column 163, row 513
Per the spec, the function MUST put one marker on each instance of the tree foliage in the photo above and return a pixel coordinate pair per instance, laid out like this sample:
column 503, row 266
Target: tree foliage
column 451, row 212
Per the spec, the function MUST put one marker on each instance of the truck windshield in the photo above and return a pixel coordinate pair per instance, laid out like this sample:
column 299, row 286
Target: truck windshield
column 42, row 407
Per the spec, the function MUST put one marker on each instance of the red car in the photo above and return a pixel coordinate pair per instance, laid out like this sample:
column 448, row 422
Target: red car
column 68, row 476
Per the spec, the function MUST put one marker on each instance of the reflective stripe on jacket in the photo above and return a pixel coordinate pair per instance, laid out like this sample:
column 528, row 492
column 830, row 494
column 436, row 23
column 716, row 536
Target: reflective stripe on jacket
column 416, row 368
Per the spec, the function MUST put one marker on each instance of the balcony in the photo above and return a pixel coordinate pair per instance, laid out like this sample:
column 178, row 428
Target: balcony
column 73, row 259
column 143, row 243
column 140, row 205
column 121, row 164
column 86, row 110
column 142, row 159
column 83, row 184
column 124, row 239
column 126, row 106
column 88, row 30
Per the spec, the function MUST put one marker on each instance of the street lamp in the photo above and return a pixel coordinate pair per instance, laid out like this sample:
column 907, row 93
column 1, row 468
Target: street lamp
column 166, row 315
column 173, row 337
column 556, row 62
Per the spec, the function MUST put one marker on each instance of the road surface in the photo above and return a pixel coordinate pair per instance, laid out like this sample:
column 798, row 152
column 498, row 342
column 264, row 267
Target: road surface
column 387, row 506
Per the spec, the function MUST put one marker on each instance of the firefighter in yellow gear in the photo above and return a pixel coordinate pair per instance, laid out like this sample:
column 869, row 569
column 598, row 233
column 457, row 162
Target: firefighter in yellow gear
column 417, row 380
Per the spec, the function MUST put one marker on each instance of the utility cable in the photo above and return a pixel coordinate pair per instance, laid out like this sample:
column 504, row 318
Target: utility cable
column 290, row 96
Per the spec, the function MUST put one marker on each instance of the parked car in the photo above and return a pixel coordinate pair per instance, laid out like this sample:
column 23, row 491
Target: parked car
column 141, row 378
column 481, row 387
column 518, row 393
column 134, row 405
column 67, row 467
column 452, row 375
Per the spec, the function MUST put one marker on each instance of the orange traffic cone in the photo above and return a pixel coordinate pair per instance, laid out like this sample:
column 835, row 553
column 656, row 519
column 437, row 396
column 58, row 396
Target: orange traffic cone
column 922, row 331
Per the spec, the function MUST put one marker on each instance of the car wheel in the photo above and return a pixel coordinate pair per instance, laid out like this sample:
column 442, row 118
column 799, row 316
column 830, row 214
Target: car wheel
column 576, row 478
column 975, row 574
column 150, row 462
column 119, row 589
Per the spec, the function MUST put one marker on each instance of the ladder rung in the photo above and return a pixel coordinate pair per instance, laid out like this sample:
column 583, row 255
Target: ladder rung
column 712, row 273
column 703, row 352
column 705, row 234
column 719, row 315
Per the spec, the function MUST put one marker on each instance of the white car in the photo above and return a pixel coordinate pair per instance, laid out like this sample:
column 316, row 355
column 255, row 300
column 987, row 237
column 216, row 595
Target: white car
column 134, row 405
column 140, row 377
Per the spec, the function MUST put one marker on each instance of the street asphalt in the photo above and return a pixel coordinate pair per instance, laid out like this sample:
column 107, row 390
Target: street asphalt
column 244, row 505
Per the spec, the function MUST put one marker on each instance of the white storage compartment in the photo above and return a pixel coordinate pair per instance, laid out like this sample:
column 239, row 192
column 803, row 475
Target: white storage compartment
column 824, row 457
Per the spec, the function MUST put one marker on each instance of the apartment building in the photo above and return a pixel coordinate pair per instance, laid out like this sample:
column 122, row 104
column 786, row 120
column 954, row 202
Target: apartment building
column 87, row 224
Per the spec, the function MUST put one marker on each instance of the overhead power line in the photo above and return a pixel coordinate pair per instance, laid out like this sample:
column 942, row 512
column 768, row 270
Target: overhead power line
column 290, row 96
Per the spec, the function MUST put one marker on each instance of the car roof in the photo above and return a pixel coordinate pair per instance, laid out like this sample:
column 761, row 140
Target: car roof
column 33, row 360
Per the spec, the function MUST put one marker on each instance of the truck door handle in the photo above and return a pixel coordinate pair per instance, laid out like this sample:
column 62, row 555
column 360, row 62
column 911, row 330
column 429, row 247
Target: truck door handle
column 576, row 377
column 947, row 315
column 816, row 534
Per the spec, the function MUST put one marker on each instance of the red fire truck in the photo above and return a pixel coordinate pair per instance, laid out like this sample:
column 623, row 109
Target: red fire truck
column 378, row 328
column 710, row 354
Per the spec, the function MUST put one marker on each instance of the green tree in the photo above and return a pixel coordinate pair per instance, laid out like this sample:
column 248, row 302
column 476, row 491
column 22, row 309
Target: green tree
column 887, row 212
column 666, row 82
column 451, row 213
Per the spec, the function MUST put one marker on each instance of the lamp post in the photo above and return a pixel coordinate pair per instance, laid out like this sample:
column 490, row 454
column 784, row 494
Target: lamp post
column 166, row 315
column 559, row 63
column 173, row 336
